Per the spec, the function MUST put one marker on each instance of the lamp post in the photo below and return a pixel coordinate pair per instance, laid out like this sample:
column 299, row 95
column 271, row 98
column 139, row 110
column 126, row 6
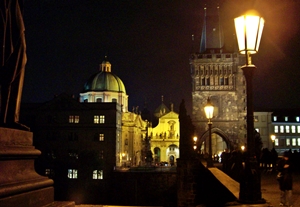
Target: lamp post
column 209, row 111
column 273, row 137
column 249, row 29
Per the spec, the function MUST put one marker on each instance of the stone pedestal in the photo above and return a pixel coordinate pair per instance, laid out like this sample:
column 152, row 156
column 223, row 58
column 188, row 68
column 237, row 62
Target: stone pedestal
column 20, row 185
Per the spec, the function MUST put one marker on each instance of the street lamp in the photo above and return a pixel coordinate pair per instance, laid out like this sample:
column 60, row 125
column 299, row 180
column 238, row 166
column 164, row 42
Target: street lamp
column 273, row 137
column 209, row 111
column 195, row 142
column 249, row 29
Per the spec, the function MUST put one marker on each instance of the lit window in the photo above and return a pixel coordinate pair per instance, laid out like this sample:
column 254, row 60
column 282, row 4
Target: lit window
column 288, row 142
column 293, row 129
column 281, row 129
column 97, row 174
column 286, row 118
column 287, row 129
column 101, row 137
column 297, row 119
column 276, row 129
column 298, row 141
column 255, row 118
column 274, row 118
column 102, row 119
column 72, row 173
column 276, row 142
column 96, row 119
column 73, row 119
column 293, row 141
column 99, row 119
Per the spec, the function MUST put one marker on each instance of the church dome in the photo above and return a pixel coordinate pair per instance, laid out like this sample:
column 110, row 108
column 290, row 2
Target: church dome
column 104, row 80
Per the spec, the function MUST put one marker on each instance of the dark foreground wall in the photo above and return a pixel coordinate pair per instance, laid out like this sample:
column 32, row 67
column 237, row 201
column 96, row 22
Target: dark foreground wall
column 142, row 188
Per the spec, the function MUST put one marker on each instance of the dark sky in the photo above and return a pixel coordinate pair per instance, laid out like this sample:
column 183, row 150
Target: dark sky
column 148, row 43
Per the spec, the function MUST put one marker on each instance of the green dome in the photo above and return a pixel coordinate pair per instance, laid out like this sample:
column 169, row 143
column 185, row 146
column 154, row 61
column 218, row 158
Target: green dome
column 104, row 81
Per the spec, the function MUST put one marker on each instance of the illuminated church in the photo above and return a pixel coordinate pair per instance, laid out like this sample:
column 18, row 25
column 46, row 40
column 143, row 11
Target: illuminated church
column 165, row 136
column 216, row 75
column 104, row 86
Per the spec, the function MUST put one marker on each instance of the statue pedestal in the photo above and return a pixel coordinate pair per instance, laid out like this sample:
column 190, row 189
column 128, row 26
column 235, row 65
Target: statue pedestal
column 20, row 185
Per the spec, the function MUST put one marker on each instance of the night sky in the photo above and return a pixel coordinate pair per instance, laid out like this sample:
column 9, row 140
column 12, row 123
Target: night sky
column 148, row 43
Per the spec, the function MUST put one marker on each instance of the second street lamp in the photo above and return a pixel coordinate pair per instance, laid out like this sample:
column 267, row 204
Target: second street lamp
column 273, row 137
column 209, row 112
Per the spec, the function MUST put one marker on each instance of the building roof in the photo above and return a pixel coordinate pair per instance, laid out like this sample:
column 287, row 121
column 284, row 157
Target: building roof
column 104, row 80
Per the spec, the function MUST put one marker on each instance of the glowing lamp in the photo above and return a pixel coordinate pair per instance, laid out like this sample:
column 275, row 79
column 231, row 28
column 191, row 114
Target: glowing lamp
column 209, row 110
column 248, row 32
column 273, row 137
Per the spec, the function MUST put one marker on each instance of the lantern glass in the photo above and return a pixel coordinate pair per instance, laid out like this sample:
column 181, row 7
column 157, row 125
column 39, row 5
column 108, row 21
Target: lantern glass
column 273, row 137
column 209, row 110
column 248, row 32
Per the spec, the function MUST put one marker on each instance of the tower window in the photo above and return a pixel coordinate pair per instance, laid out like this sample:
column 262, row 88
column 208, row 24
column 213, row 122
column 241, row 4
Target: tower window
column 226, row 81
column 207, row 81
column 221, row 81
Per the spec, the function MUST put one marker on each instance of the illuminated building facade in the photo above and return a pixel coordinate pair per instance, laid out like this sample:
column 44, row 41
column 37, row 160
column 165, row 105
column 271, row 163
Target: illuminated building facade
column 165, row 136
column 216, row 75
column 284, row 124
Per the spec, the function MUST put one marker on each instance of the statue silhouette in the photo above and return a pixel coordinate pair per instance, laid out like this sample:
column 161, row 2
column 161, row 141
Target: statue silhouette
column 13, row 60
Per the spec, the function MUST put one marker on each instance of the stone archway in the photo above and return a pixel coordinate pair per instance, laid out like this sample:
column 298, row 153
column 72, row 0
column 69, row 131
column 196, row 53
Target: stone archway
column 219, row 132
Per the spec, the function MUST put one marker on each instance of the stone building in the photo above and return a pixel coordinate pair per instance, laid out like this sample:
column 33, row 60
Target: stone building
column 216, row 75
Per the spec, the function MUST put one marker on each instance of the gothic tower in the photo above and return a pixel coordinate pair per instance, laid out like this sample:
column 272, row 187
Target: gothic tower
column 216, row 74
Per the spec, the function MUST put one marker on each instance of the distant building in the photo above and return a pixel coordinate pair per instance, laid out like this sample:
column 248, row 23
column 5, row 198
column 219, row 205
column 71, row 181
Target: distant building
column 263, row 125
column 284, row 124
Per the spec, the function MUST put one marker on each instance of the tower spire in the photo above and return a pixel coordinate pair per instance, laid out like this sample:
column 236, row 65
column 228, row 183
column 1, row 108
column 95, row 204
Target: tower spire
column 203, row 36
column 212, row 33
